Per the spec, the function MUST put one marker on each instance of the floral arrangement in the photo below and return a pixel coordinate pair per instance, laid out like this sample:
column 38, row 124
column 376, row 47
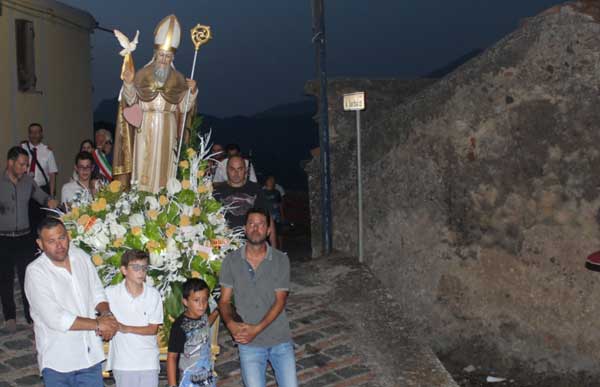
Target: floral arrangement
column 182, row 227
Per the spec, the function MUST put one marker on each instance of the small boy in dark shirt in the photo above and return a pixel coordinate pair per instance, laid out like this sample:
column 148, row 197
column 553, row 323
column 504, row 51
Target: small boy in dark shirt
column 190, row 339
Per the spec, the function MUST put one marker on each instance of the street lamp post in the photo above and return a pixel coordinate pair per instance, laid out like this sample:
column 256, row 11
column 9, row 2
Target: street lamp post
column 319, row 40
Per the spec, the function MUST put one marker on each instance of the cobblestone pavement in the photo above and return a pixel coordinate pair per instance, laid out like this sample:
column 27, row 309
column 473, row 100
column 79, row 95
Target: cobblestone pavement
column 325, row 351
column 348, row 332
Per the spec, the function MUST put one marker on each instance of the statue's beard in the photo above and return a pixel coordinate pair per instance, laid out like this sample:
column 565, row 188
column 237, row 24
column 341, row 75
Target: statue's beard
column 161, row 73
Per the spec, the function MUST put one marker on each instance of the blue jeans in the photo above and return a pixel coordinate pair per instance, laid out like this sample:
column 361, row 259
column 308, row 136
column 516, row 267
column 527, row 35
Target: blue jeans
column 88, row 377
column 253, row 361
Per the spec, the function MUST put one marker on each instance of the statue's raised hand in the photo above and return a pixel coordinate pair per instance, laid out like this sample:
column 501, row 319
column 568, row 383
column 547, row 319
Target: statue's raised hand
column 191, row 84
column 128, row 76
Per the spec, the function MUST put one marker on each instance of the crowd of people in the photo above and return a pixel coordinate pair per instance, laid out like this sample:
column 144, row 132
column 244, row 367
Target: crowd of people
column 72, row 312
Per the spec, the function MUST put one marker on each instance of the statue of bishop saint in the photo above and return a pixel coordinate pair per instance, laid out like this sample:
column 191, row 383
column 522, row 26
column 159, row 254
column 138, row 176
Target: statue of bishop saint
column 145, row 151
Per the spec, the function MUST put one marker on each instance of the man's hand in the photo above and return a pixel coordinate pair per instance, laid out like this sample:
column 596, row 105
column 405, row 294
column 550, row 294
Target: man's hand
column 191, row 84
column 236, row 329
column 52, row 203
column 107, row 327
column 128, row 76
column 246, row 333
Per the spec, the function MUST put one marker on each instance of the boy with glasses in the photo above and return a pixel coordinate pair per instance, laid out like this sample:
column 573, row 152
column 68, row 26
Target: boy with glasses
column 82, row 182
column 134, row 355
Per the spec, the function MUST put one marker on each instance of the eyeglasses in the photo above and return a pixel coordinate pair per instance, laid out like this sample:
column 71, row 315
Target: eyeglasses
column 138, row 267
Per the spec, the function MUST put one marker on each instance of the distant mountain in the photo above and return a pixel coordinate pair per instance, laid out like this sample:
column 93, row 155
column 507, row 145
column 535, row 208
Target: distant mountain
column 276, row 140
column 451, row 66
column 300, row 108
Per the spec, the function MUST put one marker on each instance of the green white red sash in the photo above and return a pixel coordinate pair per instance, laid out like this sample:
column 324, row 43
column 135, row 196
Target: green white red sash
column 103, row 165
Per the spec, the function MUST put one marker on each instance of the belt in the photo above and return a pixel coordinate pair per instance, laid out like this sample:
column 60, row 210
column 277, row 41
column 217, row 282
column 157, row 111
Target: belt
column 14, row 234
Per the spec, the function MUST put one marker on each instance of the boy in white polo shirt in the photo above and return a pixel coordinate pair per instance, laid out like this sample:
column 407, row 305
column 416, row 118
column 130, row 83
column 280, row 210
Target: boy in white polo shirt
column 137, row 306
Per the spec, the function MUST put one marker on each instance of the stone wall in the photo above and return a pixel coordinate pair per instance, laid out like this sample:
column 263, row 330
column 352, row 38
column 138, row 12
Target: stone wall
column 481, row 194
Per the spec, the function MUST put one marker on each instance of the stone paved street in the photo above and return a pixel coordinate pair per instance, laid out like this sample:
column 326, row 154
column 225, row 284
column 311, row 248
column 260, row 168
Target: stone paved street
column 346, row 329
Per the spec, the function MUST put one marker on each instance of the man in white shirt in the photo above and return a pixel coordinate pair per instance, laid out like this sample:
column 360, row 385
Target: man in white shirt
column 65, row 293
column 221, row 170
column 42, row 165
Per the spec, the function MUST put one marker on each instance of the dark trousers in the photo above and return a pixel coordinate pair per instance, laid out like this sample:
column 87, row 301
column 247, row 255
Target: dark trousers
column 17, row 252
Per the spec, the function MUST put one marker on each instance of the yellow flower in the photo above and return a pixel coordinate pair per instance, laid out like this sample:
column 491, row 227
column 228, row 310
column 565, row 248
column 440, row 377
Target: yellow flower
column 184, row 164
column 203, row 255
column 184, row 221
column 97, row 260
column 118, row 243
column 190, row 152
column 114, row 186
column 75, row 212
column 137, row 231
column 171, row 319
column 83, row 219
column 152, row 245
column 99, row 205
column 185, row 184
column 152, row 214
column 197, row 211
column 170, row 231
column 201, row 172
column 195, row 274
column 163, row 200
column 202, row 189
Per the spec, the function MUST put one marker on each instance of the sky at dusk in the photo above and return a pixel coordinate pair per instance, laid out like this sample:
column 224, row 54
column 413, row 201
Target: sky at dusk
column 261, row 54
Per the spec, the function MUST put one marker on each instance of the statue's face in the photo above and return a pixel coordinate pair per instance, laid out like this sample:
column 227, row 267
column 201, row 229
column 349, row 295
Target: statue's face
column 164, row 58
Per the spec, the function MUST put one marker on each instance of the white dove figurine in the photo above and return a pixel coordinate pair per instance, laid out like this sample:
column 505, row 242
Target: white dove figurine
column 128, row 47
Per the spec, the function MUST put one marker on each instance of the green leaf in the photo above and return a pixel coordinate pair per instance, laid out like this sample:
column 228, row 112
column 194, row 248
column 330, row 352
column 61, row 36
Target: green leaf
column 152, row 230
column 216, row 266
column 210, row 280
column 211, row 205
column 163, row 219
column 134, row 242
column 117, row 278
column 209, row 232
column 199, row 265
column 115, row 260
column 186, row 196
column 173, row 304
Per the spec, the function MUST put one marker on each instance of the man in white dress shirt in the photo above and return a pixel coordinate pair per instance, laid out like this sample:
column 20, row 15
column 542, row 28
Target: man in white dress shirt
column 65, row 294
column 42, row 165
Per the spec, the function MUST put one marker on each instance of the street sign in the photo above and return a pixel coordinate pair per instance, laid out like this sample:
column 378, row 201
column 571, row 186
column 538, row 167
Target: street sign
column 354, row 101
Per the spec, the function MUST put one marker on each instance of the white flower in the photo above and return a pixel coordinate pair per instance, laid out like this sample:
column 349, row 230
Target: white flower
column 187, row 210
column 156, row 259
column 117, row 230
column 125, row 208
column 173, row 186
column 99, row 241
column 189, row 233
column 150, row 280
column 152, row 203
column 172, row 249
column 136, row 220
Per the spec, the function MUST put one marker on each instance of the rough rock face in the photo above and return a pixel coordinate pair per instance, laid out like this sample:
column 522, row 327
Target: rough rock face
column 481, row 194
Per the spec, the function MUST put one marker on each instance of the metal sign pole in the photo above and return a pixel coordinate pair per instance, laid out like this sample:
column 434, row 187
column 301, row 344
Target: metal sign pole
column 360, row 200
column 356, row 102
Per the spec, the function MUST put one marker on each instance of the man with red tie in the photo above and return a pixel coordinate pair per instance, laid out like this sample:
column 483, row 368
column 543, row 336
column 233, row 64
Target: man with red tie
column 42, row 165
